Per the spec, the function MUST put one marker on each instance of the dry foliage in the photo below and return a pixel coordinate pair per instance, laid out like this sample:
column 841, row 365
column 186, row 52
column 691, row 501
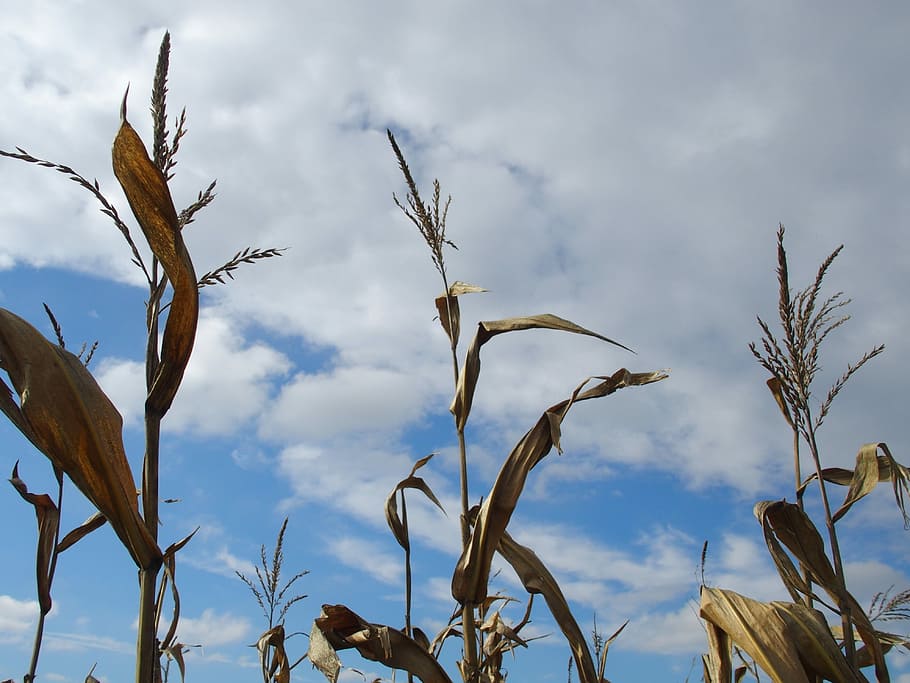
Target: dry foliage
column 60, row 408
column 792, row 641
column 478, row 619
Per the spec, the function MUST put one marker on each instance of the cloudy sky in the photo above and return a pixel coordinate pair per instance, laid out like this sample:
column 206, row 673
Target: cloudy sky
column 623, row 165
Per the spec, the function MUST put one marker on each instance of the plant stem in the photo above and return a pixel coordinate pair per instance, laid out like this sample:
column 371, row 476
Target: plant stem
column 846, row 622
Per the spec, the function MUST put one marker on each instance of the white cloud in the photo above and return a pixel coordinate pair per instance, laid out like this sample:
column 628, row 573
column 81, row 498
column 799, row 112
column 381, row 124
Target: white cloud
column 227, row 382
column 370, row 557
column 213, row 629
column 17, row 617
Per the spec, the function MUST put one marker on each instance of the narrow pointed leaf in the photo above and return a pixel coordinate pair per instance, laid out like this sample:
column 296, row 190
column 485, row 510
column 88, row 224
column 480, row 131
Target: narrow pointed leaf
column 537, row 579
column 96, row 521
column 470, row 372
column 391, row 503
column 789, row 642
column 48, row 521
column 70, row 419
column 147, row 192
column 469, row 582
column 774, row 386
column 344, row 629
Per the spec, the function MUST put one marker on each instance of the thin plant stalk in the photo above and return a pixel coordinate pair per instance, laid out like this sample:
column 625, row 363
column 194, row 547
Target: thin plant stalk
column 430, row 221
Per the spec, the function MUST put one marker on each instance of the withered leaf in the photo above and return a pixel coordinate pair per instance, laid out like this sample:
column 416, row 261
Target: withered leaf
column 453, row 318
column 469, row 582
column 96, row 521
column 147, row 192
column 470, row 372
column 787, row 523
column 70, row 419
column 790, row 642
column 48, row 520
column 399, row 529
column 344, row 629
column 537, row 579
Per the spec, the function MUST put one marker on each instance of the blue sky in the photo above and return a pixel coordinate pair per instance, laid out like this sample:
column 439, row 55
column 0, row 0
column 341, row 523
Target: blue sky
column 622, row 165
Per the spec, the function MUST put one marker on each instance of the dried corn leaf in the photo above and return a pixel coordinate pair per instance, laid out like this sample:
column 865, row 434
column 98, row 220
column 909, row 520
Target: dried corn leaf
column 322, row 655
column 273, row 658
column 790, row 642
column 70, row 419
column 872, row 468
column 399, row 529
column 470, row 372
column 147, row 192
column 48, row 521
column 452, row 319
column 605, row 649
column 537, row 579
column 787, row 523
column 96, row 521
column 775, row 388
column 469, row 582
column 344, row 629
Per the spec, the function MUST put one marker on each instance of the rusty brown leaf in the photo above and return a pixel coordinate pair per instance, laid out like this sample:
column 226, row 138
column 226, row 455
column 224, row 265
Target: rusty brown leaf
column 470, row 372
column 469, row 582
column 48, row 521
column 343, row 629
column 95, row 521
column 790, row 642
column 70, row 419
column 148, row 195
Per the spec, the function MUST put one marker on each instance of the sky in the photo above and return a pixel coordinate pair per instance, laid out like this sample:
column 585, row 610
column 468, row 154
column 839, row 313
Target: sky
column 623, row 165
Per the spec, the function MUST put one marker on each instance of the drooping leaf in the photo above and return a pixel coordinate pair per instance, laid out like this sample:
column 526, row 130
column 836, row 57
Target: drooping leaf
column 48, row 521
column 69, row 418
column 344, row 629
column 453, row 318
column 273, row 658
column 391, row 503
column 775, row 388
column 787, row 523
column 147, row 192
column 790, row 642
column 871, row 469
column 169, row 577
column 537, row 579
column 96, row 521
column 470, row 372
column 469, row 582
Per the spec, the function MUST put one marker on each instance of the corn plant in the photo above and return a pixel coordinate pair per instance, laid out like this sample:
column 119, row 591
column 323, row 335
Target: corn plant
column 271, row 596
column 63, row 412
column 477, row 619
column 791, row 641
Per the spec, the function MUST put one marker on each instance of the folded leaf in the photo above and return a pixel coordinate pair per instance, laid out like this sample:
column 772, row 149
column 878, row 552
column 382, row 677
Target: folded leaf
column 147, row 192
column 344, row 629
column 48, row 521
column 791, row 642
column 69, row 418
